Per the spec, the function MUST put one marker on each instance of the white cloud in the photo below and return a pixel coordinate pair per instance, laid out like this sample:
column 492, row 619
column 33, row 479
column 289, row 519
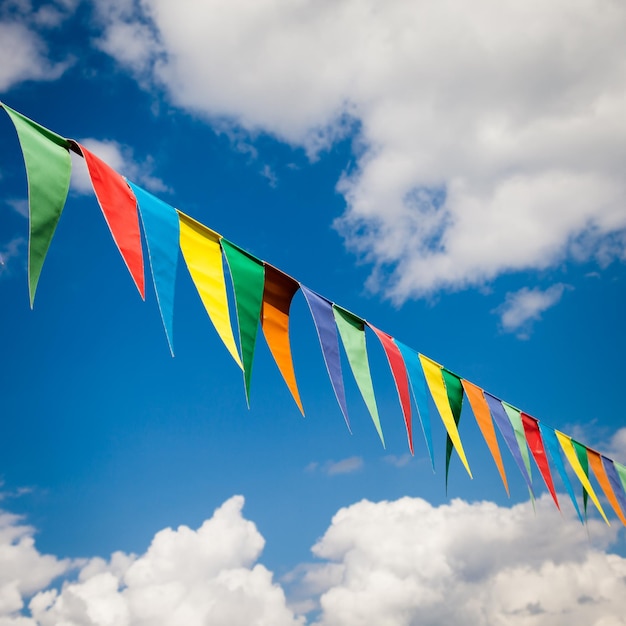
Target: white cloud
column 389, row 563
column 408, row 562
column 490, row 134
column 191, row 577
column 525, row 306
column 616, row 446
column 23, row 570
column 23, row 54
column 333, row 468
column 121, row 159
column 23, row 51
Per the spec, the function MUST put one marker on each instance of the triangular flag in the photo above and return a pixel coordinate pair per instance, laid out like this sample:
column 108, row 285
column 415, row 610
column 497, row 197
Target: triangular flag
column 552, row 444
column 162, row 231
column 434, row 377
column 621, row 471
column 581, row 454
column 399, row 373
column 277, row 296
column 248, row 274
column 567, row 444
column 515, row 417
column 505, row 427
column 203, row 255
column 595, row 461
column 618, row 490
column 418, row 386
column 324, row 320
column 352, row 332
column 48, row 170
column 485, row 423
column 454, row 390
column 119, row 208
column 535, row 443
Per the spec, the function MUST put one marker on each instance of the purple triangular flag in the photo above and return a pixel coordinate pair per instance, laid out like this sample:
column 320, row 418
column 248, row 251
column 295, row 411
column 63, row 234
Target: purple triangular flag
column 324, row 320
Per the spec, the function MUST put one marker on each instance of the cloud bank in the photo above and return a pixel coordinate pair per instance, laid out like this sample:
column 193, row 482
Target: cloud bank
column 394, row 563
column 489, row 136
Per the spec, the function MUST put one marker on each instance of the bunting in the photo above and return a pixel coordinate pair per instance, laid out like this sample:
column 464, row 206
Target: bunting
column 454, row 391
column 567, row 445
column 515, row 418
column 418, row 387
column 398, row 371
column 537, row 449
column 48, row 169
column 616, row 485
column 595, row 462
column 119, row 207
column 162, row 230
column 480, row 408
column 263, row 293
column 435, row 380
column 279, row 290
column 248, row 276
column 324, row 320
column 203, row 255
column 352, row 332
column 552, row 444
column 505, row 427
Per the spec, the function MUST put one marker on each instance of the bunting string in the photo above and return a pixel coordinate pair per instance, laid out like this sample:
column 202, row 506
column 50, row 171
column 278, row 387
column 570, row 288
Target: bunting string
column 263, row 295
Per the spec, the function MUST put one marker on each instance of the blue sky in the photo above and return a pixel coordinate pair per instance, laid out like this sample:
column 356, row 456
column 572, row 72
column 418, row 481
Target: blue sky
column 451, row 176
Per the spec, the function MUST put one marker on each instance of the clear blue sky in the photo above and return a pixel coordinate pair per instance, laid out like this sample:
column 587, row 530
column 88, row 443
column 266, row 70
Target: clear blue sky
column 493, row 250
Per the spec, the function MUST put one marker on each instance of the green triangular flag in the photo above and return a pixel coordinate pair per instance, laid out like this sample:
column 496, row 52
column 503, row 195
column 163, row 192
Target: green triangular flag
column 248, row 275
column 352, row 332
column 581, row 453
column 454, row 391
column 48, row 169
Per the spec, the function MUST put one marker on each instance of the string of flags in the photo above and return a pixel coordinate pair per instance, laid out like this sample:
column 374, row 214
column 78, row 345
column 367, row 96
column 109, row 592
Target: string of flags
column 263, row 295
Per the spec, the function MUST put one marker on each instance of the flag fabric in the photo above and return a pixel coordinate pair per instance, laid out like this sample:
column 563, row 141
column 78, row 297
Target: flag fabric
column 203, row 256
column 248, row 276
column 418, row 387
column 399, row 373
column 537, row 449
column 279, row 290
column 119, row 208
column 480, row 408
column 324, row 320
column 352, row 332
column 48, row 170
column 435, row 380
column 505, row 427
column 552, row 444
column 162, row 231
column 454, row 390
column 567, row 445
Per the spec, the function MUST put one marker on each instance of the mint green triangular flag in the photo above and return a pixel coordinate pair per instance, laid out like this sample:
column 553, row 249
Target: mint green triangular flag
column 48, row 169
column 352, row 332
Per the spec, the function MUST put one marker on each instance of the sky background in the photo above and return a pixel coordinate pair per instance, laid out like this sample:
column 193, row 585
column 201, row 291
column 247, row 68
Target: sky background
column 453, row 174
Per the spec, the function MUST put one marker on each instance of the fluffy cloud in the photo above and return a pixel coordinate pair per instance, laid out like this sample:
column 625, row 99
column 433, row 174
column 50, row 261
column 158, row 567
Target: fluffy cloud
column 489, row 135
column 23, row 50
column 121, row 159
column 389, row 563
column 408, row 562
column 523, row 307
column 23, row 570
column 190, row 577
